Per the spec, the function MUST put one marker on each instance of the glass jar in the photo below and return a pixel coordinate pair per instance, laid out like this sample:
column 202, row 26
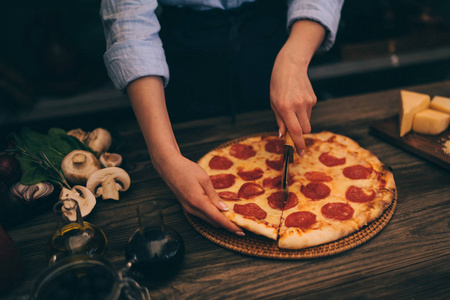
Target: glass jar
column 73, row 234
column 154, row 251
column 82, row 276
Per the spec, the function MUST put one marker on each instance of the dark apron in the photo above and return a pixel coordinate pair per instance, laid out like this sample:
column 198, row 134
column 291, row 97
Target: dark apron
column 220, row 61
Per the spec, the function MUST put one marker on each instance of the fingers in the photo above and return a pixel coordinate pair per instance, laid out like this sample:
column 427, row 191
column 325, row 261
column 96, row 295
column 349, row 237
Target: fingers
column 295, row 129
column 213, row 196
column 295, row 117
column 208, row 211
column 281, row 126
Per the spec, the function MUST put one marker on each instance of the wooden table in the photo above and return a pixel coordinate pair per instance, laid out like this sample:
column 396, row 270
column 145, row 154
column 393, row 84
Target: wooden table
column 409, row 259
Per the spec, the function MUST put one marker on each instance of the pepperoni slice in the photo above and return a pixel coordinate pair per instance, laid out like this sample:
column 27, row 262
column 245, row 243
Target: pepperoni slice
column 275, row 146
column 357, row 172
column 242, row 151
column 220, row 163
column 250, row 175
column 276, row 200
column 222, row 181
column 275, row 164
column 276, row 182
column 315, row 176
column 249, row 190
column 300, row 219
column 250, row 210
column 230, row 196
column 356, row 194
column 315, row 190
column 292, row 201
column 330, row 160
column 337, row 211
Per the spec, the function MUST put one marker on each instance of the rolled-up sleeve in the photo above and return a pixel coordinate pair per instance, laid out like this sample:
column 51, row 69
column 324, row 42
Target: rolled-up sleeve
column 325, row 12
column 133, row 46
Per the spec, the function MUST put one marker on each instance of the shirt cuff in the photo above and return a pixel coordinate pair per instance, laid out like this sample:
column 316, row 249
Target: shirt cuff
column 127, row 61
column 327, row 14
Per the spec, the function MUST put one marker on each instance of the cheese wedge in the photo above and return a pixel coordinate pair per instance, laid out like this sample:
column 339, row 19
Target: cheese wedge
column 441, row 104
column 411, row 104
column 430, row 121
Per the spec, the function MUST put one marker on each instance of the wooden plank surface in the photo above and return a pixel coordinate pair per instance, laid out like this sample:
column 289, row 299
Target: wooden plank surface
column 409, row 259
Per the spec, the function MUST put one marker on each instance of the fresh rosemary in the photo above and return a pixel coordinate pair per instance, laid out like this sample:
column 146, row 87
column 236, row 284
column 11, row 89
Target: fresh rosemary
column 54, row 174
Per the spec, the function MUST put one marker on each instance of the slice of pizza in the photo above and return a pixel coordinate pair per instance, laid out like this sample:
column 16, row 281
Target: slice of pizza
column 244, row 175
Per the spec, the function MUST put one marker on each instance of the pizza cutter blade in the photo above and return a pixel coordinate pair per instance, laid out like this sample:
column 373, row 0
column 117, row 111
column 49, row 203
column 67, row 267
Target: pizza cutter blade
column 288, row 156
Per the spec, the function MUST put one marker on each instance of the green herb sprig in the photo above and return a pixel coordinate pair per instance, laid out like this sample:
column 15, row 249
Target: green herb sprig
column 54, row 174
column 40, row 155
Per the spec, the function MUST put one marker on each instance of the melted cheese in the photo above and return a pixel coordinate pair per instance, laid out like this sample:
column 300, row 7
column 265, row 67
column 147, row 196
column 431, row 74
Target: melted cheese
column 411, row 104
column 441, row 104
column 430, row 121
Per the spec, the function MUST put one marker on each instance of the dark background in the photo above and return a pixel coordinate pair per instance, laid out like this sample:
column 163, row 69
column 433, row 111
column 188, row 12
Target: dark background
column 51, row 64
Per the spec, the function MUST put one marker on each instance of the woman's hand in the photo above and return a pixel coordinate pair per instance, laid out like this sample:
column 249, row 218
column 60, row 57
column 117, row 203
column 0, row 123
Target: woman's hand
column 291, row 94
column 193, row 188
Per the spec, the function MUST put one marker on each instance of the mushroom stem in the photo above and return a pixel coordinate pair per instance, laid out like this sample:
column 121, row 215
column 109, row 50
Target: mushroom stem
column 110, row 190
column 78, row 160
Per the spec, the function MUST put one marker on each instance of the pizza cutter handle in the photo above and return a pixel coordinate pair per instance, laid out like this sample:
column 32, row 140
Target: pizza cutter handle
column 289, row 141
column 289, row 147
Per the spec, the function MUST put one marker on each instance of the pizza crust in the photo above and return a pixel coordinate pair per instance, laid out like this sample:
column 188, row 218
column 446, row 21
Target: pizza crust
column 295, row 238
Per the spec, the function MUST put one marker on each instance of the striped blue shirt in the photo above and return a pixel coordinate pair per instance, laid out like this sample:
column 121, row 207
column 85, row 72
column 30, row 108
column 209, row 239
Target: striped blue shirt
column 134, row 48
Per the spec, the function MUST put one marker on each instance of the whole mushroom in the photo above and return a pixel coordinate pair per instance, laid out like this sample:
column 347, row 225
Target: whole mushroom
column 108, row 182
column 79, row 165
column 84, row 197
column 99, row 140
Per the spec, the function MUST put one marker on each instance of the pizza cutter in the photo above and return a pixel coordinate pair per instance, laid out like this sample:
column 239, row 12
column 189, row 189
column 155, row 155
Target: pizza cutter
column 288, row 156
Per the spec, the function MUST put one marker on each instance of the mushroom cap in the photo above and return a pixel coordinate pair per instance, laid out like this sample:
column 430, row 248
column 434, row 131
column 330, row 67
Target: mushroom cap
column 78, row 166
column 99, row 140
column 119, row 175
column 86, row 200
column 110, row 159
column 78, row 133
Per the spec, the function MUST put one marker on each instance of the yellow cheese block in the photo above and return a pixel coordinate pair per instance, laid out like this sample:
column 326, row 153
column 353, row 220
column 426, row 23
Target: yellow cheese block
column 430, row 121
column 411, row 104
column 441, row 104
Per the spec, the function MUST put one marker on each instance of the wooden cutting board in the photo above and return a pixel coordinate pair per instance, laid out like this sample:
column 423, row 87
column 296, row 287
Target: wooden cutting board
column 429, row 147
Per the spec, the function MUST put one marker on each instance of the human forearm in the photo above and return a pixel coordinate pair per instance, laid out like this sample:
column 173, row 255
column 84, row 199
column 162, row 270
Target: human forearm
column 304, row 40
column 146, row 95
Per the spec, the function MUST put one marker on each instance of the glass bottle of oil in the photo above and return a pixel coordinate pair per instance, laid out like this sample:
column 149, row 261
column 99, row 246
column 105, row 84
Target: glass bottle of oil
column 74, row 235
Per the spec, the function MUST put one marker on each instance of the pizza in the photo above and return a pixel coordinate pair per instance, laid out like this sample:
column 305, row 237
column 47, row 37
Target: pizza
column 335, row 189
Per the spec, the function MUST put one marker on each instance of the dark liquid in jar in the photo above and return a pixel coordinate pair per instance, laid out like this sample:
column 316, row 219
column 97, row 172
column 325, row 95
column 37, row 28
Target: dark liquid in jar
column 81, row 283
column 155, row 254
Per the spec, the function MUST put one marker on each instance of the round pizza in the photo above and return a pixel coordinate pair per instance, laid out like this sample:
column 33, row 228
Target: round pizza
column 335, row 189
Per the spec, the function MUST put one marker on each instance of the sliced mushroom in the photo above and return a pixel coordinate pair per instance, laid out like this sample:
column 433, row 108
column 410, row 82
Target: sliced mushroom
column 84, row 197
column 78, row 166
column 99, row 140
column 108, row 182
column 78, row 133
column 110, row 159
